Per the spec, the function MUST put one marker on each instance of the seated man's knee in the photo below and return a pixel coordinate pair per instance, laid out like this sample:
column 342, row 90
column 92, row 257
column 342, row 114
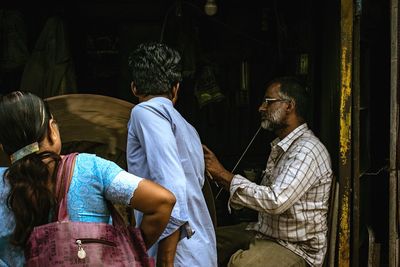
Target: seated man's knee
column 266, row 253
column 230, row 239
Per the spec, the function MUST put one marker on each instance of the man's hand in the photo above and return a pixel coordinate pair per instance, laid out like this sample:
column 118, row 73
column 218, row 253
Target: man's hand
column 215, row 168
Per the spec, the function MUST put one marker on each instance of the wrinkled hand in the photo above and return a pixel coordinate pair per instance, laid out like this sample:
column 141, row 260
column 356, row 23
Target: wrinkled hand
column 215, row 168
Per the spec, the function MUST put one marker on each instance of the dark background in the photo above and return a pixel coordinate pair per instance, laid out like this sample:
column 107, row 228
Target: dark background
column 271, row 38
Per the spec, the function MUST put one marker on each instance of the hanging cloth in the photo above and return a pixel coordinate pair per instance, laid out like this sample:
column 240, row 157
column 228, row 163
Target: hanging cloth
column 13, row 49
column 49, row 71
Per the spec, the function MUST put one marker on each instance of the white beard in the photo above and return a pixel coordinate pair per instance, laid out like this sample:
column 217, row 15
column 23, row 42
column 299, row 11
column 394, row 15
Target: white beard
column 265, row 124
column 274, row 120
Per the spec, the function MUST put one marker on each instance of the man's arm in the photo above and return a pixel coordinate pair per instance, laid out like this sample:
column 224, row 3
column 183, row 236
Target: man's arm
column 273, row 199
column 167, row 250
column 296, row 177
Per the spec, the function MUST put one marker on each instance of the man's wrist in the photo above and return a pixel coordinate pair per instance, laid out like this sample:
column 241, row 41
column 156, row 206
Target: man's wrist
column 226, row 179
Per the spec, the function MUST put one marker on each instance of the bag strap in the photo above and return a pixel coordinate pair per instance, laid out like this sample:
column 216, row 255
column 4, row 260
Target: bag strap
column 64, row 176
column 117, row 219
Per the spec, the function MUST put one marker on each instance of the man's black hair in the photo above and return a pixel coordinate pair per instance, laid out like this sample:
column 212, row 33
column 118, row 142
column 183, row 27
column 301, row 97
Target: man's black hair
column 155, row 68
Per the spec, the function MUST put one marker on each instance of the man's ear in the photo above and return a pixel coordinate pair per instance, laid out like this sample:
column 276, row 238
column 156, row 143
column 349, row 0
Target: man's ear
column 291, row 106
column 133, row 89
column 175, row 90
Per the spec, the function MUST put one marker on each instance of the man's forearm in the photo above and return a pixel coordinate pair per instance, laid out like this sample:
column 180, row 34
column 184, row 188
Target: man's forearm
column 167, row 249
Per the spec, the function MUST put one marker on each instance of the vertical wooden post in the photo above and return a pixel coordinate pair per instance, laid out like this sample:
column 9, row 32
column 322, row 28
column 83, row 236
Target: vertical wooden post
column 394, row 138
column 355, row 218
column 345, row 119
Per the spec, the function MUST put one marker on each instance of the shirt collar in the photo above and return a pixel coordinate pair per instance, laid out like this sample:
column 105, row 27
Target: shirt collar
column 161, row 99
column 290, row 138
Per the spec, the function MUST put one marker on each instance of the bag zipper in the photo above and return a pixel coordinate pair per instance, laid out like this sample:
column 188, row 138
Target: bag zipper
column 82, row 253
column 95, row 240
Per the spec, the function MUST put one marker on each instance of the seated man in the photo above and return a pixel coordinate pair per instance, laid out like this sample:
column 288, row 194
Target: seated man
column 292, row 199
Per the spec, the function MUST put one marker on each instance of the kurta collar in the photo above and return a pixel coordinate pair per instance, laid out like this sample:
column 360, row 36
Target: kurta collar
column 162, row 100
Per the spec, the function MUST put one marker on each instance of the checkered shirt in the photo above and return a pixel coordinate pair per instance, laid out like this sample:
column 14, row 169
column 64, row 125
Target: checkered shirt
column 293, row 197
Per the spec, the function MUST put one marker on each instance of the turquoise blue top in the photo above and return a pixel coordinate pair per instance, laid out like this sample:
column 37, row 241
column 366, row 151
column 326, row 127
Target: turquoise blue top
column 94, row 180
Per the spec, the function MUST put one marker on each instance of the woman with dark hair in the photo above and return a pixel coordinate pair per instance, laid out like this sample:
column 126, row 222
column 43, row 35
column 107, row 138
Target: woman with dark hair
column 30, row 136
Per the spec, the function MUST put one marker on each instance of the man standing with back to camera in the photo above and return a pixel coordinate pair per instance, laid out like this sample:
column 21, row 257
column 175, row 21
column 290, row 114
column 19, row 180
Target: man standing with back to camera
column 292, row 198
column 162, row 145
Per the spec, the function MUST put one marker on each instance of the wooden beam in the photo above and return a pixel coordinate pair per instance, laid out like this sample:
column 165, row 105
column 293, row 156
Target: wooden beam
column 394, row 132
column 345, row 120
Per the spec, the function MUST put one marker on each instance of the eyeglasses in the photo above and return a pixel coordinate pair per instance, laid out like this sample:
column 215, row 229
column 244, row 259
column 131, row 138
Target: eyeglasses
column 269, row 101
